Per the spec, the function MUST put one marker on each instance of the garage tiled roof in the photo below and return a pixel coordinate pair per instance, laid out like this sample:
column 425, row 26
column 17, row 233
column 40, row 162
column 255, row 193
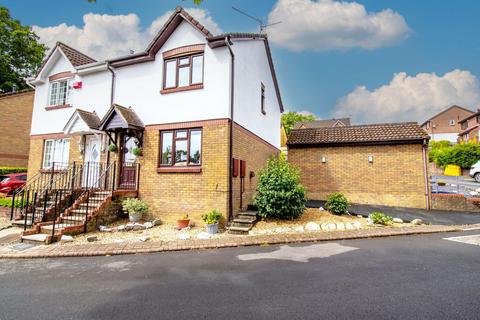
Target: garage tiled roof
column 361, row 134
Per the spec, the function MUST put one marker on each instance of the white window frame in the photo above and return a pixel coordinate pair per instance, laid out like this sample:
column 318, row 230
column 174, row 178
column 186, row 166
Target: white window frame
column 451, row 122
column 55, row 97
column 56, row 151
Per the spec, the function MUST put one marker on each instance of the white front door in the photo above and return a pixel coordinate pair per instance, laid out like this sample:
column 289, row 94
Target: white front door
column 91, row 169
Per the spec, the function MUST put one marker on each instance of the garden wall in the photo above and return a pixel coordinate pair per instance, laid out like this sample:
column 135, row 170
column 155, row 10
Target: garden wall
column 455, row 202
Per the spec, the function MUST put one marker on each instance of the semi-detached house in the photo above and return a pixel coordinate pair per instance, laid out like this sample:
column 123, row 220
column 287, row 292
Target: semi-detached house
column 204, row 109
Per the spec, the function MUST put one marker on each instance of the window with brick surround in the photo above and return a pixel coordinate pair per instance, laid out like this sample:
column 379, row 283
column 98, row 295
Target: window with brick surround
column 55, row 151
column 184, row 71
column 181, row 147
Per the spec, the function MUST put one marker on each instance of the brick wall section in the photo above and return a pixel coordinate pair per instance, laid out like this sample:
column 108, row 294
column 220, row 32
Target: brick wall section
column 256, row 152
column 16, row 119
column 455, row 202
column 35, row 156
column 394, row 178
column 170, row 195
column 441, row 121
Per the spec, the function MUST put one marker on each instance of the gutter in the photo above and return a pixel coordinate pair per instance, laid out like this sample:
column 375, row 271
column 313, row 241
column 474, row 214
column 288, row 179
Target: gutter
column 230, row 144
column 425, row 174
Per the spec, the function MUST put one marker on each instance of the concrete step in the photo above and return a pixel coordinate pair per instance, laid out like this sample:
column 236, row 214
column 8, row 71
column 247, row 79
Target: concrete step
column 245, row 219
column 58, row 226
column 247, row 214
column 35, row 238
column 21, row 222
column 79, row 218
column 239, row 228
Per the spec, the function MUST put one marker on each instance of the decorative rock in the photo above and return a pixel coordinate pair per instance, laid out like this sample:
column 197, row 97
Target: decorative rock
column 349, row 226
column 312, row 226
column 92, row 238
column 359, row 216
column 370, row 222
column 397, row 220
column 121, row 228
column 119, row 241
column 129, row 226
column 144, row 238
column 473, row 193
column 203, row 235
column 332, row 226
column 357, row 225
column 321, row 209
column 148, row 225
column 138, row 226
column 282, row 230
column 340, row 226
column 156, row 222
column 299, row 229
column 183, row 236
column 186, row 228
column 105, row 229
column 416, row 221
column 66, row 238
column 324, row 226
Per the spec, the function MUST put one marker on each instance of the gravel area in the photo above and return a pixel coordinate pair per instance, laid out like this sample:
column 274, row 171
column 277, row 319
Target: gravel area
column 168, row 232
column 4, row 222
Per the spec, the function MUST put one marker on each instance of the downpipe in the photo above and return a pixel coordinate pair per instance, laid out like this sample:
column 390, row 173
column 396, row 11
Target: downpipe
column 230, row 144
column 425, row 174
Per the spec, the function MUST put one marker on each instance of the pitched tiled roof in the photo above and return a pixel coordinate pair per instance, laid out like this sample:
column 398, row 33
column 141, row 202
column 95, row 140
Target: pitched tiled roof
column 321, row 123
column 90, row 118
column 363, row 134
column 7, row 94
column 75, row 57
column 129, row 115
column 441, row 112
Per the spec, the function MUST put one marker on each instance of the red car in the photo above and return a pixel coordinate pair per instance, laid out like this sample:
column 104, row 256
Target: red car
column 12, row 182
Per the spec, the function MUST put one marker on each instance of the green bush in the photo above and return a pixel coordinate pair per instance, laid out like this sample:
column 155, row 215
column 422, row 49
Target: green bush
column 7, row 202
column 337, row 203
column 212, row 217
column 464, row 154
column 279, row 192
column 8, row 170
column 380, row 218
column 437, row 148
column 135, row 206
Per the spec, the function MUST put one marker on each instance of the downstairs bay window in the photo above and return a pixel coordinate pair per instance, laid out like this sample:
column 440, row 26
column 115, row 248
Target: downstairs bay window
column 181, row 149
column 55, row 154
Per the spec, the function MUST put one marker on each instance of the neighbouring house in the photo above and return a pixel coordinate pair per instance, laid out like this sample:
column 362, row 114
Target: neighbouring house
column 188, row 121
column 329, row 123
column 16, row 118
column 382, row 164
column 445, row 125
column 470, row 128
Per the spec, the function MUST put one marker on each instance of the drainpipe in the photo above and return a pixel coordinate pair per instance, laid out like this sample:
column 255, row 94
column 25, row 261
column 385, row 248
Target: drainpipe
column 112, row 90
column 230, row 144
column 425, row 174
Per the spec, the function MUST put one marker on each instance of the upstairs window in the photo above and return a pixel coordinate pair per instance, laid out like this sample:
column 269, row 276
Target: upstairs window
column 55, row 151
column 181, row 147
column 262, row 99
column 183, row 71
column 464, row 125
column 58, row 93
column 451, row 122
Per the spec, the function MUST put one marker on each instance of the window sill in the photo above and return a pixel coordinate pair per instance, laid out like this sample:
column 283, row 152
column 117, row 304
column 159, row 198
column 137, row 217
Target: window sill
column 179, row 89
column 179, row 170
column 63, row 106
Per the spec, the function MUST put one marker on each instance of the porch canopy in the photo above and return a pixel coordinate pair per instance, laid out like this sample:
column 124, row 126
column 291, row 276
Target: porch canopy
column 82, row 122
column 124, row 120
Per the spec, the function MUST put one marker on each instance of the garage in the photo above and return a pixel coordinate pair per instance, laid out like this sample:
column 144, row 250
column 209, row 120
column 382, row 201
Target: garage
column 380, row 164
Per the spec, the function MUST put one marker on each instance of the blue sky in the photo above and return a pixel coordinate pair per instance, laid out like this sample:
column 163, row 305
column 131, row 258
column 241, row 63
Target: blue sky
column 435, row 51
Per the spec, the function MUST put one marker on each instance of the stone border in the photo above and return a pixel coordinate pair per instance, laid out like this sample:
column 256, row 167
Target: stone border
column 87, row 250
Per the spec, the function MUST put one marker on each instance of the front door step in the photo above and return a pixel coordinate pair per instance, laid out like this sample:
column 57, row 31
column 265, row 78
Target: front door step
column 35, row 238
column 243, row 223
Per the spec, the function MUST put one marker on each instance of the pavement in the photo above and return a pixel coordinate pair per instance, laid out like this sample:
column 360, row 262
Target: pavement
column 435, row 217
column 414, row 277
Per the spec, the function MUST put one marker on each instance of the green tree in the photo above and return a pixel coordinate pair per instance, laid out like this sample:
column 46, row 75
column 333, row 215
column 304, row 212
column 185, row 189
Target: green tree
column 289, row 119
column 21, row 54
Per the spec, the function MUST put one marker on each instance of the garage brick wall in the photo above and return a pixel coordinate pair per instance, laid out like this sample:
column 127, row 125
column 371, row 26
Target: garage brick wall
column 394, row 178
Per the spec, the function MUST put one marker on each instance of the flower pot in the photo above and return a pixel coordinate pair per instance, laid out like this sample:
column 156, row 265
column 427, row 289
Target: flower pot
column 212, row 228
column 183, row 223
column 134, row 217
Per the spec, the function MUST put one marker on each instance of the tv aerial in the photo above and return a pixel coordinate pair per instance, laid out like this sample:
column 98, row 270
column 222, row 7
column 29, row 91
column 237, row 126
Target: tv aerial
column 262, row 25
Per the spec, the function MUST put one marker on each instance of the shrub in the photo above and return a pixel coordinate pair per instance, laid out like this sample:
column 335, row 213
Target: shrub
column 380, row 218
column 337, row 203
column 7, row 202
column 464, row 154
column 112, row 148
column 134, row 206
column 212, row 217
column 8, row 170
column 279, row 192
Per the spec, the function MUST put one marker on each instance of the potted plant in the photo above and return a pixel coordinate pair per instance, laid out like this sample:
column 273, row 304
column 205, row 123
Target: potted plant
column 183, row 222
column 136, row 208
column 137, row 151
column 112, row 147
column 211, row 220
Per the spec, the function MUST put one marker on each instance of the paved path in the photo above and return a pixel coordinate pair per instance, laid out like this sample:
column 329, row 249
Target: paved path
column 436, row 217
column 415, row 277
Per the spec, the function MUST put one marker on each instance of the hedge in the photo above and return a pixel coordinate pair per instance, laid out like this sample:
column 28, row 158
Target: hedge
column 7, row 202
column 8, row 170
column 464, row 155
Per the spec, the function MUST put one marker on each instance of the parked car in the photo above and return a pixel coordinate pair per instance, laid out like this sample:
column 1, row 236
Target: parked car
column 475, row 171
column 12, row 182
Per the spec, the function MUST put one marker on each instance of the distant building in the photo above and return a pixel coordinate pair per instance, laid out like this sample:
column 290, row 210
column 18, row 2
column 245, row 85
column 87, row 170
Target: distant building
column 330, row 123
column 446, row 124
column 470, row 128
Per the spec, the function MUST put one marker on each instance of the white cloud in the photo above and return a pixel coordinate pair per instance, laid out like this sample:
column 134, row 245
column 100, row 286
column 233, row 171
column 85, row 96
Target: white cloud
column 105, row 36
column 327, row 25
column 410, row 98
